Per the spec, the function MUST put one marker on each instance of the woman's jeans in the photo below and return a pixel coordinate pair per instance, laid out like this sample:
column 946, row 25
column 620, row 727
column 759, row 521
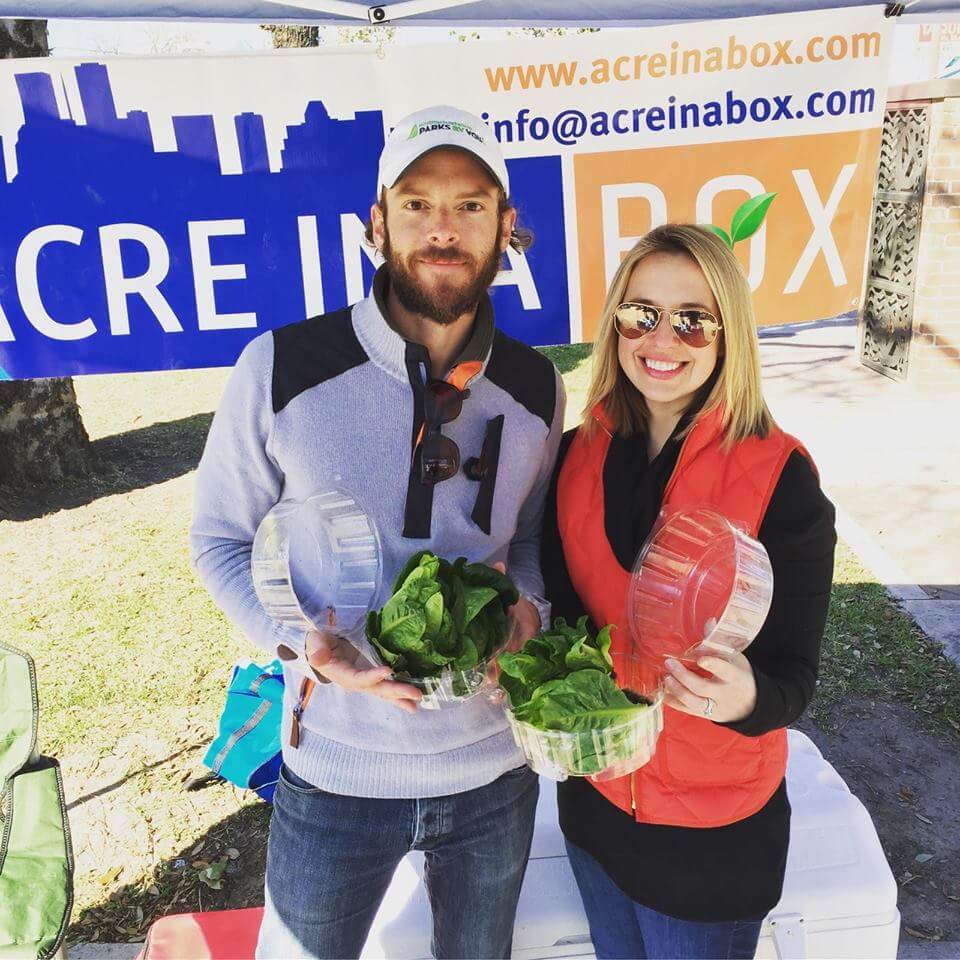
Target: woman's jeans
column 622, row 928
column 330, row 859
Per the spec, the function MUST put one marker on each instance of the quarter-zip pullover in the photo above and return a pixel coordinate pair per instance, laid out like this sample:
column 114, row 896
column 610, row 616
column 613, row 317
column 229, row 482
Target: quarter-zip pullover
column 342, row 396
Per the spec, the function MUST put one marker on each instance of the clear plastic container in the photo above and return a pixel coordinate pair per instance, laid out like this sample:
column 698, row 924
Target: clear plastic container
column 601, row 754
column 317, row 564
column 453, row 687
column 699, row 580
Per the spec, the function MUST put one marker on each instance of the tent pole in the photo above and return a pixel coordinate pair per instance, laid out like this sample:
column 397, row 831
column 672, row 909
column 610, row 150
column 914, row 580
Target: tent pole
column 411, row 8
column 338, row 8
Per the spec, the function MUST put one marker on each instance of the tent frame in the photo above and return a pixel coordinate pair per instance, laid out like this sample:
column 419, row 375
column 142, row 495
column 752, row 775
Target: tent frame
column 408, row 8
column 316, row 12
column 377, row 14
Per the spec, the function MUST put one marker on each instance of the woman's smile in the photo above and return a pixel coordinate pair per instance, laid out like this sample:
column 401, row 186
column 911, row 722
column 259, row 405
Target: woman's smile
column 661, row 368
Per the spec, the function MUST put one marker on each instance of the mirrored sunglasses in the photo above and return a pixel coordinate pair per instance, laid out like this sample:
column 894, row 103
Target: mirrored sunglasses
column 695, row 328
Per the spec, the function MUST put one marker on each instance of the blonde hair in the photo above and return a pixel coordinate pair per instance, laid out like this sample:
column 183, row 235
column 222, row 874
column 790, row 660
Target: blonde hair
column 735, row 382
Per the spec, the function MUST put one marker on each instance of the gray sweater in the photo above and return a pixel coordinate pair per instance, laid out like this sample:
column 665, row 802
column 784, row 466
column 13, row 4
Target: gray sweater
column 341, row 395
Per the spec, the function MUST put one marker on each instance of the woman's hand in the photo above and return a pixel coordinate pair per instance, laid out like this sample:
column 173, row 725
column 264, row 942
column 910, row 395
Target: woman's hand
column 728, row 695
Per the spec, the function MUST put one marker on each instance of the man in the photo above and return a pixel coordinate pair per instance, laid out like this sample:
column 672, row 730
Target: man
column 459, row 467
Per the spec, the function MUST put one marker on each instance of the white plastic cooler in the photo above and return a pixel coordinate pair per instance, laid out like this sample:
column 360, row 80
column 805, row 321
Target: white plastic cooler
column 839, row 898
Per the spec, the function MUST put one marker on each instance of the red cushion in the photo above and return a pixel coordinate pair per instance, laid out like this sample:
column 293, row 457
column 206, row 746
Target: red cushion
column 217, row 935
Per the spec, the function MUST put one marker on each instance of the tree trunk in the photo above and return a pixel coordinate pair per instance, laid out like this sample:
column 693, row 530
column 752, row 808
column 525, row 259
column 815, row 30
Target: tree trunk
column 23, row 38
column 41, row 434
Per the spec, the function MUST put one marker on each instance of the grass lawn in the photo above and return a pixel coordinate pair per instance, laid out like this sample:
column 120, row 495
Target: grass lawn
column 133, row 658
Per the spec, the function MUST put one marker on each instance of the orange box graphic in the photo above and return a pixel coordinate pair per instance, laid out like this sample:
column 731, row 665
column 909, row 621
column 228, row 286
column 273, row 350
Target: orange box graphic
column 646, row 187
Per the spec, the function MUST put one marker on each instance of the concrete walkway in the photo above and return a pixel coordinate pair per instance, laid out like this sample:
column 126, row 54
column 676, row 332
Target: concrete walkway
column 889, row 458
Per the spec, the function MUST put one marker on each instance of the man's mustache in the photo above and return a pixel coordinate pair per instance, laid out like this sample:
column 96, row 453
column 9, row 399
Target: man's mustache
column 443, row 255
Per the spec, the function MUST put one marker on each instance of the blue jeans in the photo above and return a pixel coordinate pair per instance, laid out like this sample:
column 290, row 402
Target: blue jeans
column 622, row 928
column 330, row 859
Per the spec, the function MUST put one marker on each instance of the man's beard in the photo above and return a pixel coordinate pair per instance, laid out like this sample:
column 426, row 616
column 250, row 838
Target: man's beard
column 447, row 301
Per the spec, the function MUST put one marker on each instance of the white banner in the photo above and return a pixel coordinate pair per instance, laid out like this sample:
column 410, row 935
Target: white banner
column 161, row 212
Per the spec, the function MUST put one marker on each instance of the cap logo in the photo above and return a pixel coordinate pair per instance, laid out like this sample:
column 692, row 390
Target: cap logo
column 430, row 125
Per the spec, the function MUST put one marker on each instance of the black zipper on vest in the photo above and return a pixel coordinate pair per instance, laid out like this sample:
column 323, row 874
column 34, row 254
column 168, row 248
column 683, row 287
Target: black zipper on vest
column 418, row 509
column 484, row 469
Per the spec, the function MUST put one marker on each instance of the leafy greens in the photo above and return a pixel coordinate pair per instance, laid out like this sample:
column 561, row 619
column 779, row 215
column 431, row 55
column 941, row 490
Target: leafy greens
column 441, row 615
column 553, row 655
column 583, row 700
column 563, row 680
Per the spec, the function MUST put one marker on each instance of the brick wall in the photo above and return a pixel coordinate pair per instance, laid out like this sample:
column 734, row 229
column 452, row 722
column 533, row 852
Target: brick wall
column 935, row 349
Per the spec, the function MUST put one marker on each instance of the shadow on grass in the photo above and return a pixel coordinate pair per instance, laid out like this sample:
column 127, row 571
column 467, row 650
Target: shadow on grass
column 175, row 886
column 110, row 787
column 121, row 463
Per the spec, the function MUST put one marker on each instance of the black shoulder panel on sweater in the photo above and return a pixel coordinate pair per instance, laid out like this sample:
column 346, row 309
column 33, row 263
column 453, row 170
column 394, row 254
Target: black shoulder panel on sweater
column 312, row 351
column 528, row 376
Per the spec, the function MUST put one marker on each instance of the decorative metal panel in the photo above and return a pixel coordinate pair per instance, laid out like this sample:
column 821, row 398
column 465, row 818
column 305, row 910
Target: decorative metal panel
column 886, row 320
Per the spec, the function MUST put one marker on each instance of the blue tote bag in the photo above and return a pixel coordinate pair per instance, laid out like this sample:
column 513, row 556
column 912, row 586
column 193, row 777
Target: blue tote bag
column 246, row 750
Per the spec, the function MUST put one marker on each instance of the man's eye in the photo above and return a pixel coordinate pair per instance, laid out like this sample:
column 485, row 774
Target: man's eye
column 415, row 205
column 473, row 206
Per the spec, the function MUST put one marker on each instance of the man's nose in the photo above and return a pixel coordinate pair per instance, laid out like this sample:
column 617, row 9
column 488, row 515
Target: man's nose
column 442, row 229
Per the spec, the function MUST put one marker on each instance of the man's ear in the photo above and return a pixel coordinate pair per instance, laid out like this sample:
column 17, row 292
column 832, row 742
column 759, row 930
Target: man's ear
column 507, row 223
column 378, row 223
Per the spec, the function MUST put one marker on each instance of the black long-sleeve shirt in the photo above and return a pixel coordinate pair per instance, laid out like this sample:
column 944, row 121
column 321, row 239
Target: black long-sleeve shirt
column 735, row 871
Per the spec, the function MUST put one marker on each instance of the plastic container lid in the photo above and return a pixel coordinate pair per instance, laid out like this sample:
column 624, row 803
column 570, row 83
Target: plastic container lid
column 317, row 564
column 699, row 579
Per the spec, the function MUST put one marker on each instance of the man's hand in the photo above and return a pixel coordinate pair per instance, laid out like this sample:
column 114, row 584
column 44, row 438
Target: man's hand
column 340, row 662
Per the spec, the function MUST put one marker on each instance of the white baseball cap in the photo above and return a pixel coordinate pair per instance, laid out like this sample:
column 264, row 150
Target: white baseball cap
column 440, row 126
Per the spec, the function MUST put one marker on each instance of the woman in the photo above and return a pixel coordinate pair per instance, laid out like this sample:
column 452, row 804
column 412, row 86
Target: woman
column 685, row 857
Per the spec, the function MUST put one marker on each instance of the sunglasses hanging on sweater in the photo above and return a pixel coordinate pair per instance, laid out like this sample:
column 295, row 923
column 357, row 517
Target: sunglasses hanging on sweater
column 439, row 456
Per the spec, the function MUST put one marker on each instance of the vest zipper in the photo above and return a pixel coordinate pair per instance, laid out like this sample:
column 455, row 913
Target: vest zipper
column 666, row 493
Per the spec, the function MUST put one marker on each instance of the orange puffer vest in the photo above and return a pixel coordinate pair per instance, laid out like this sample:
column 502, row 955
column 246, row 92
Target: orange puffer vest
column 702, row 774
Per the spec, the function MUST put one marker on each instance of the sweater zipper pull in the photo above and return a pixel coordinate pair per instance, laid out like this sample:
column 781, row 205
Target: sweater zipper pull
column 306, row 687
column 295, row 729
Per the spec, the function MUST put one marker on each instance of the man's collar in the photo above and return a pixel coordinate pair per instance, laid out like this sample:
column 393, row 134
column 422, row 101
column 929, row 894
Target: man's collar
column 481, row 337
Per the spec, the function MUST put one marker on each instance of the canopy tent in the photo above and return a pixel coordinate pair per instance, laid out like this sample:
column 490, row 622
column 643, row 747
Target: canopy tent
column 454, row 13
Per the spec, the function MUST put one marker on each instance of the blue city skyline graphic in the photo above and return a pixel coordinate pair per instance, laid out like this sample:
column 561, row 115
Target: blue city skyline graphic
column 108, row 171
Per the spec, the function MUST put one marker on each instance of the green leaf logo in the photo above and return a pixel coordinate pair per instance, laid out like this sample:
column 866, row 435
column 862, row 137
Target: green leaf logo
column 414, row 130
column 721, row 233
column 746, row 221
